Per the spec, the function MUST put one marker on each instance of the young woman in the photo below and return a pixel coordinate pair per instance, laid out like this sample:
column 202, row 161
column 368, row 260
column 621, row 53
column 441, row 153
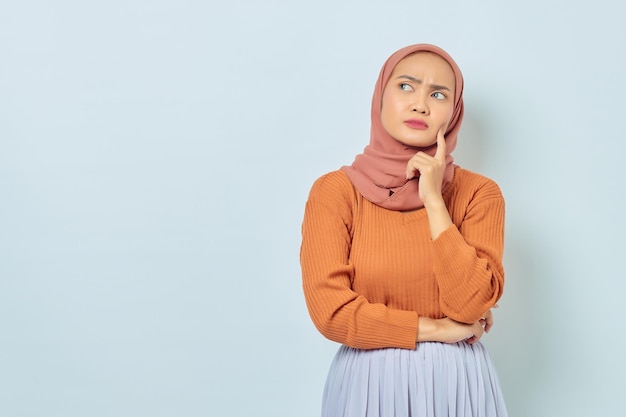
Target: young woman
column 402, row 256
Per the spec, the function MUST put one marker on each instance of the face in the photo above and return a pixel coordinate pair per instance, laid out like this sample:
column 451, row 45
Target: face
column 418, row 99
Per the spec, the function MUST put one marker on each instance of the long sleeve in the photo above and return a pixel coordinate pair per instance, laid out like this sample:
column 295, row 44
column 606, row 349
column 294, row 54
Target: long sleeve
column 338, row 312
column 468, row 255
column 369, row 273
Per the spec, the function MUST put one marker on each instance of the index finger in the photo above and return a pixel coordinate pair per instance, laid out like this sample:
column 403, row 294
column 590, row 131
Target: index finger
column 441, row 144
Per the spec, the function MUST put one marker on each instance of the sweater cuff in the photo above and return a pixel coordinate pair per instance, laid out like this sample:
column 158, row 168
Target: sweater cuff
column 400, row 330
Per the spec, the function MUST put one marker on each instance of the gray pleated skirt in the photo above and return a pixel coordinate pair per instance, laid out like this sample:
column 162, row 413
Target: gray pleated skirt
column 434, row 380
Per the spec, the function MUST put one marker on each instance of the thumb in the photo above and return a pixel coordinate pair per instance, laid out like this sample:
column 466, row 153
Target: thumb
column 441, row 144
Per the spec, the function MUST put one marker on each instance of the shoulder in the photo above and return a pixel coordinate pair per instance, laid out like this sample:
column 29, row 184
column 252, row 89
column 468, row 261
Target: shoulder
column 473, row 195
column 472, row 185
column 334, row 185
column 332, row 196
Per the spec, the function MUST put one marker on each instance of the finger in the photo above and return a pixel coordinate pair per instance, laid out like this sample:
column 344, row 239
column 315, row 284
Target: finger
column 488, row 326
column 488, row 321
column 441, row 145
column 411, row 171
column 413, row 166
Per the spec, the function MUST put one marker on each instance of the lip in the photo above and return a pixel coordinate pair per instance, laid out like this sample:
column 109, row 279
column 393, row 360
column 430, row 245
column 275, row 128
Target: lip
column 416, row 124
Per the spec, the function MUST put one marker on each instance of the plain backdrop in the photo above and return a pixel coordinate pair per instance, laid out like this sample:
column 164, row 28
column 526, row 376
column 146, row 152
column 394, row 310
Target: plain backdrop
column 156, row 155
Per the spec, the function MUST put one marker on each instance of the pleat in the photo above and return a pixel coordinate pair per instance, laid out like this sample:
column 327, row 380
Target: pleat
column 433, row 380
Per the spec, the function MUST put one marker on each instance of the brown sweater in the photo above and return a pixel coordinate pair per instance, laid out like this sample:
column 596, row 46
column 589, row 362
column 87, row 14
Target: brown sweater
column 369, row 272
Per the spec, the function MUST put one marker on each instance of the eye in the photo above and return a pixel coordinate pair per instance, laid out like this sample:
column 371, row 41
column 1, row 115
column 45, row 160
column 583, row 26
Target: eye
column 406, row 87
column 438, row 95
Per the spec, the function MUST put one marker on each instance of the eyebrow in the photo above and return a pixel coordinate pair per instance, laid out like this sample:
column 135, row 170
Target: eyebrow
column 417, row 80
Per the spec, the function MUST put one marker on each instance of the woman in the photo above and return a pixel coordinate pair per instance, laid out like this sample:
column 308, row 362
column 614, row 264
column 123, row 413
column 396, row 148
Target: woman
column 402, row 256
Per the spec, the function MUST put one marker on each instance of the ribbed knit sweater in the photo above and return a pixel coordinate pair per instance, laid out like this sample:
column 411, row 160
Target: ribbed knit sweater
column 369, row 272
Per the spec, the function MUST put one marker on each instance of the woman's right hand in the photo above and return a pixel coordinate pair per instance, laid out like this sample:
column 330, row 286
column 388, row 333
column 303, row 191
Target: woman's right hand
column 451, row 331
column 447, row 330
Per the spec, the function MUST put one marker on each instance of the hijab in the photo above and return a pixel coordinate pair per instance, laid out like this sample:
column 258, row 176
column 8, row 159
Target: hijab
column 379, row 173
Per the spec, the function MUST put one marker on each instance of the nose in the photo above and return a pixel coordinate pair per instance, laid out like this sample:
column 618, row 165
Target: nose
column 419, row 104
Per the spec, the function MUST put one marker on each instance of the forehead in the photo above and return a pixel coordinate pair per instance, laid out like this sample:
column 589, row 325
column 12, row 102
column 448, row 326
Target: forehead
column 426, row 65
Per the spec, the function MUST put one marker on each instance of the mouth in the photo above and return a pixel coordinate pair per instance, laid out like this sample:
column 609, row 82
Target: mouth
column 416, row 124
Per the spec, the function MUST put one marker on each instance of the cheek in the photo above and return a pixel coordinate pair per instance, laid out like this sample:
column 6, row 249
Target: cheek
column 448, row 114
column 390, row 106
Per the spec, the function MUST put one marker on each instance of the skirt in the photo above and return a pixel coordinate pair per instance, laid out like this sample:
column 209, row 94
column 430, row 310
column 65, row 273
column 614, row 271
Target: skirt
column 434, row 380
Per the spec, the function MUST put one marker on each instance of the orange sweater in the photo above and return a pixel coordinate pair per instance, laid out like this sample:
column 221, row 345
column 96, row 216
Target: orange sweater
column 369, row 272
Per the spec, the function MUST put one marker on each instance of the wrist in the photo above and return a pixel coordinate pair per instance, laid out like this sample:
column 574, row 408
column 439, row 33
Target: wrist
column 438, row 217
column 427, row 329
column 435, row 203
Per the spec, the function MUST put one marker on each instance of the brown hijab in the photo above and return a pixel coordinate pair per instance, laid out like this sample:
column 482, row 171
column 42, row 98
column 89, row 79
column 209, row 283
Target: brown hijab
column 379, row 173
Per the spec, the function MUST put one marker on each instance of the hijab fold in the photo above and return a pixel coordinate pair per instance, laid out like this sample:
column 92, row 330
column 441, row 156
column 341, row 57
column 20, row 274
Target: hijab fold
column 379, row 173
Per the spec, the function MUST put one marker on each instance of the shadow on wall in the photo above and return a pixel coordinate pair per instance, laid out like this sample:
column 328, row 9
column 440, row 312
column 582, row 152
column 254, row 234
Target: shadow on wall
column 470, row 150
column 522, row 345
column 520, row 340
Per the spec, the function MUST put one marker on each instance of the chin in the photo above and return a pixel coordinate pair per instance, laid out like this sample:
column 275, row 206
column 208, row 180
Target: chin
column 417, row 143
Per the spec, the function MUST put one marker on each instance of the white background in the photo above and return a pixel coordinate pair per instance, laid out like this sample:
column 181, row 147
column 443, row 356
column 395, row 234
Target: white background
column 155, row 158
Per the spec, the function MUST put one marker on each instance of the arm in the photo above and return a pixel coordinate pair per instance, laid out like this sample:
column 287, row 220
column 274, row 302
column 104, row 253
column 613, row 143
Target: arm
column 467, row 252
column 337, row 311
column 467, row 257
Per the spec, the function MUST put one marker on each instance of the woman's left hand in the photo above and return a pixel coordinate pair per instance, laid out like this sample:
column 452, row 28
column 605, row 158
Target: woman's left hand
column 486, row 322
column 430, row 168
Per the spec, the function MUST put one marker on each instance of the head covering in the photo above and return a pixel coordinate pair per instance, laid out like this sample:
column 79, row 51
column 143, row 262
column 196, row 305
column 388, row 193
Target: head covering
column 379, row 173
